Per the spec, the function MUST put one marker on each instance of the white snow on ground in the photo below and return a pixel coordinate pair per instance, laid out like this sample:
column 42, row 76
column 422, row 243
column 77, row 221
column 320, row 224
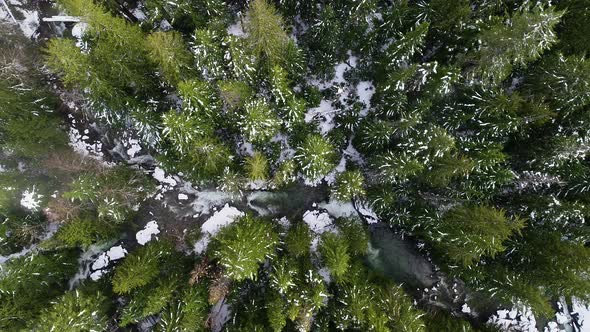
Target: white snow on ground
column 145, row 235
column 583, row 312
column 365, row 90
column 220, row 219
column 101, row 262
column 220, row 314
column 31, row 200
column 113, row 254
column 341, row 167
column 207, row 200
column 133, row 148
column 139, row 14
column 352, row 154
column 236, row 29
column 324, row 272
column 116, row 252
column 339, row 209
column 465, row 309
column 182, row 197
column 87, row 261
column 324, row 115
column 519, row 318
column 367, row 213
column 319, row 223
column 30, row 24
column 77, row 142
column 78, row 29
column 161, row 177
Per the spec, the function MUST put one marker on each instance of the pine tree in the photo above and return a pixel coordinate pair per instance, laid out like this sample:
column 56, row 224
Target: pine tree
column 467, row 233
column 286, row 174
column 349, row 185
column 116, row 61
column 113, row 193
column 140, row 267
column 257, row 167
column 563, row 81
column 259, row 123
column 316, row 157
column 515, row 43
column 208, row 52
column 334, row 250
column 243, row 245
column 29, row 283
column 298, row 240
column 168, row 51
column 266, row 36
column 28, row 128
column 74, row 311
column 235, row 94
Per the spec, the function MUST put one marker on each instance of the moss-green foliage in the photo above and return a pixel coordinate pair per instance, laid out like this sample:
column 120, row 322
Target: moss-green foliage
column 30, row 282
column 298, row 239
column 316, row 157
column 266, row 36
column 285, row 173
column 498, row 52
column 349, row 185
column 113, row 193
column 235, row 93
column 27, row 125
column 75, row 311
column 19, row 229
column 117, row 61
column 243, row 245
column 168, row 51
column 259, row 123
column 335, row 253
column 84, row 232
column 365, row 303
column 355, row 234
column 441, row 321
column 466, row 233
column 188, row 314
column 257, row 167
column 140, row 267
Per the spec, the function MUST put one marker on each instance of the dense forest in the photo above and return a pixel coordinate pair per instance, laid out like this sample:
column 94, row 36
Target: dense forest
column 295, row 165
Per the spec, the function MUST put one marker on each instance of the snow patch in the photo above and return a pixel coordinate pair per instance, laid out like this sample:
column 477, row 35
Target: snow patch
column 31, row 200
column 145, row 235
column 519, row 318
column 213, row 225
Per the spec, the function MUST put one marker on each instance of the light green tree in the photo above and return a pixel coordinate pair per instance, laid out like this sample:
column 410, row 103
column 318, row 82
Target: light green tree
column 316, row 157
column 169, row 52
column 243, row 245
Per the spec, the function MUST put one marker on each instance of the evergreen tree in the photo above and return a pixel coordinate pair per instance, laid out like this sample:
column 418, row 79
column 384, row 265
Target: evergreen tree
column 243, row 245
column 75, row 311
column 516, row 42
column 168, row 51
column 334, row 250
column 266, row 36
column 259, row 123
column 298, row 240
column 116, row 61
column 349, row 185
column 29, row 283
column 563, row 81
column 316, row 157
column 140, row 267
column 466, row 233
column 257, row 167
